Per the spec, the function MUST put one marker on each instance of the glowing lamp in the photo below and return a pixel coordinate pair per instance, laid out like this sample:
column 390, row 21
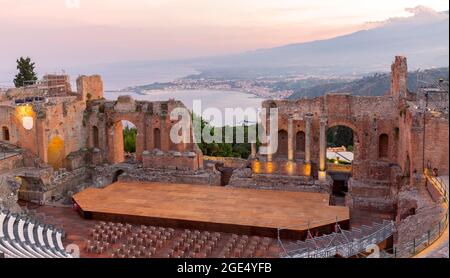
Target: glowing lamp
column 25, row 114
column 27, row 122
column 322, row 175
column 290, row 167
column 307, row 169
column 269, row 168
column 256, row 167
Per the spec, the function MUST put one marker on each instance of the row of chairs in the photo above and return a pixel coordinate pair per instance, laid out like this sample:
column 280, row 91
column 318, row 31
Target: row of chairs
column 194, row 244
column 23, row 237
column 243, row 246
column 120, row 240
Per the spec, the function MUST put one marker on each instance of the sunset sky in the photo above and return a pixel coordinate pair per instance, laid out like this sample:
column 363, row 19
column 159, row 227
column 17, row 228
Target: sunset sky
column 59, row 32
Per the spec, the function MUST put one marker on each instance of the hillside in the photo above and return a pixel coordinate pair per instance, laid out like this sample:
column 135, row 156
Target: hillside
column 423, row 38
column 374, row 85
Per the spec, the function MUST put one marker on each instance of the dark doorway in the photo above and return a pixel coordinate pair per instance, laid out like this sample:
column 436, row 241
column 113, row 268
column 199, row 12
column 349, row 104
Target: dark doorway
column 300, row 141
column 117, row 175
column 5, row 132
column 157, row 138
column 95, row 136
column 383, row 146
column 282, row 143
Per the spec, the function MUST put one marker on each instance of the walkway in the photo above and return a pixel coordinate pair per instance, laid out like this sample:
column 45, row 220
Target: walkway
column 440, row 248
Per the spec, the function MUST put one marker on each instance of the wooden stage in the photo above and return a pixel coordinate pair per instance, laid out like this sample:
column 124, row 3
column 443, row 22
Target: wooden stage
column 223, row 209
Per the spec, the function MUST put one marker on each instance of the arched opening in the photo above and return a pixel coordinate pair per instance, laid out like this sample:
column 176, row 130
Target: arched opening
column 125, row 135
column 56, row 153
column 340, row 155
column 129, row 140
column 116, row 176
column 282, row 143
column 300, row 142
column 383, row 146
column 157, row 138
column 5, row 133
column 95, row 137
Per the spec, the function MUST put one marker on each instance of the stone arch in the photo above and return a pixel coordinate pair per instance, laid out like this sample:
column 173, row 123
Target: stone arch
column 356, row 136
column 117, row 174
column 5, row 133
column 56, row 152
column 115, row 124
column 282, row 143
column 272, row 104
column 157, row 138
column 95, row 138
column 118, row 143
column 383, row 146
column 300, row 141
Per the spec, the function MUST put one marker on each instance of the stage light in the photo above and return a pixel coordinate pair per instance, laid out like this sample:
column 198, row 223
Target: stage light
column 307, row 169
column 290, row 167
column 269, row 167
column 256, row 167
column 27, row 122
column 25, row 114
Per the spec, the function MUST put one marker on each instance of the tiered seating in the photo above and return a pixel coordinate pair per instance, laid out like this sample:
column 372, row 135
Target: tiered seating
column 22, row 237
column 120, row 240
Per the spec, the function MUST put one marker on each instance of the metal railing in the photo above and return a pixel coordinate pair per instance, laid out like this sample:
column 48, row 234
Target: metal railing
column 418, row 244
column 342, row 244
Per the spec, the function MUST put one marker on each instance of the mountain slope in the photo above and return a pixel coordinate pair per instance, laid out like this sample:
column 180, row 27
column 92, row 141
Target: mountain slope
column 423, row 38
column 375, row 85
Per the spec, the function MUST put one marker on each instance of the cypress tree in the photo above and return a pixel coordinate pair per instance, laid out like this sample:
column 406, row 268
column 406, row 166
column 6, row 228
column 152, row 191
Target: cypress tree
column 26, row 74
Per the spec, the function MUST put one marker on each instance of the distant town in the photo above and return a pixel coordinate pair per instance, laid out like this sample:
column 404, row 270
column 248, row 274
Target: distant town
column 264, row 87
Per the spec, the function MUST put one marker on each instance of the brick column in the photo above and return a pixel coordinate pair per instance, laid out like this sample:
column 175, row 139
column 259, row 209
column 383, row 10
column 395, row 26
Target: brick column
column 323, row 148
column 291, row 139
column 253, row 145
column 308, row 138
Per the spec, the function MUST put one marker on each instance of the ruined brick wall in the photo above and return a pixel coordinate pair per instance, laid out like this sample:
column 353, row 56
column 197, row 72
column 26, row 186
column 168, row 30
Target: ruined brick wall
column 423, row 142
column 11, row 162
column 152, row 120
column 90, row 87
column 230, row 162
column 9, row 123
column 62, row 131
column 245, row 178
column 171, row 160
column 368, row 117
column 436, row 143
column 399, row 77
column 56, row 132
column 104, row 175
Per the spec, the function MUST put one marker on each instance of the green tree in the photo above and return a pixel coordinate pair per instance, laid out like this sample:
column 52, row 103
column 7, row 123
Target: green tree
column 129, row 139
column 26, row 74
column 222, row 149
column 339, row 136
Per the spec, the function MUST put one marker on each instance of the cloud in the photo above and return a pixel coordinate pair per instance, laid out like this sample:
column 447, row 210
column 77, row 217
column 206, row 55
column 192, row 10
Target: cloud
column 420, row 15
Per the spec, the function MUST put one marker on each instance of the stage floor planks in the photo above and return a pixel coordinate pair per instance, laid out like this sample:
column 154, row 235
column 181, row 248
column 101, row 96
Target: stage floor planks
column 210, row 207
